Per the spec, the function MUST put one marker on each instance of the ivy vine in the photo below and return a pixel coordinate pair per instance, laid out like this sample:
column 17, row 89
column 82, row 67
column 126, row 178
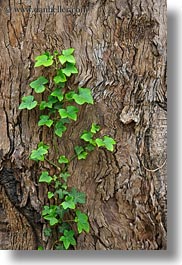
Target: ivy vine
column 59, row 109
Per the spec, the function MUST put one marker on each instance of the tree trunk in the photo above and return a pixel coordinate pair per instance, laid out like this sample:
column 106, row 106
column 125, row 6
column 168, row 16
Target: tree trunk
column 120, row 49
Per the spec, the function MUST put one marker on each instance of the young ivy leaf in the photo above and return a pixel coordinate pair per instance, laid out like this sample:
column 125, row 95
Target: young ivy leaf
column 50, row 194
column 81, row 153
column 45, row 120
column 79, row 197
column 82, row 222
column 87, row 137
column 49, row 103
column 99, row 142
column 52, row 220
column 68, row 203
column 67, row 58
column 70, row 112
column 60, row 128
column 95, row 128
column 109, row 142
column 39, row 84
column 44, row 177
column 44, row 60
column 60, row 77
column 68, row 51
column 65, row 176
column 68, row 238
column 84, row 96
column 58, row 94
column 70, row 69
column 63, row 160
column 28, row 102
column 38, row 154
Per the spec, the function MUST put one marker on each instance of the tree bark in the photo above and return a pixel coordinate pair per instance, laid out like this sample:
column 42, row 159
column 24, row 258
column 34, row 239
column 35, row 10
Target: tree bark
column 120, row 49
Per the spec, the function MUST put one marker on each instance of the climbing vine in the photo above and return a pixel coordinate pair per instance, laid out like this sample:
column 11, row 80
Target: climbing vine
column 59, row 108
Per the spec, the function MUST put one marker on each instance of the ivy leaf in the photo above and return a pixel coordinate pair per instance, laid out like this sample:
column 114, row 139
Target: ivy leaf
column 38, row 154
column 81, row 153
column 95, row 128
column 44, row 177
column 68, row 238
column 109, row 142
column 52, row 220
column 99, row 142
column 40, row 248
column 28, row 102
column 84, row 96
column 49, row 103
column 47, row 232
column 45, row 146
column 82, row 222
column 89, row 147
column 50, row 194
column 79, row 197
column 65, row 176
column 63, row 160
column 67, row 58
column 68, row 203
column 70, row 112
column 60, row 128
column 70, row 69
column 45, row 120
column 69, row 95
column 58, row 93
column 60, row 77
column 44, row 60
column 68, row 51
column 87, row 137
column 39, row 84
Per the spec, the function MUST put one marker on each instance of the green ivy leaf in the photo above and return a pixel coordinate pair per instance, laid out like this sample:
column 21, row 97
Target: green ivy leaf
column 45, row 120
column 70, row 112
column 60, row 128
column 47, row 231
column 39, row 84
column 84, row 96
column 58, row 93
column 63, row 160
column 68, row 203
column 49, row 103
column 69, row 95
column 95, row 128
column 81, row 153
column 44, row 60
column 87, row 137
column 50, row 194
column 82, row 222
column 28, row 102
column 44, row 177
column 38, row 154
column 68, row 238
column 40, row 248
column 109, row 142
column 68, row 51
column 99, row 142
column 89, row 147
column 67, row 58
column 60, row 77
column 70, row 69
column 52, row 220
column 45, row 146
column 65, row 176
column 79, row 197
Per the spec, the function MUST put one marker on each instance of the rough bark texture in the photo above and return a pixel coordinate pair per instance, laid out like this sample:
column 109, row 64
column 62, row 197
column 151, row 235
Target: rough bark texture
column 120, row 48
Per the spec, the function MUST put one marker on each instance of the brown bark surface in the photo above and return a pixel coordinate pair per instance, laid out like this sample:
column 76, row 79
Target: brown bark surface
column 120, row 49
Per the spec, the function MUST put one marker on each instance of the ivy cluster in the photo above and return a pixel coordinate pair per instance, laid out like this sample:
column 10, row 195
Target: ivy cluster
column 59, row 108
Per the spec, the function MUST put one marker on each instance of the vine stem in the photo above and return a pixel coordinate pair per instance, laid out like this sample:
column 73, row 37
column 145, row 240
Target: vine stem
column 52, row 163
